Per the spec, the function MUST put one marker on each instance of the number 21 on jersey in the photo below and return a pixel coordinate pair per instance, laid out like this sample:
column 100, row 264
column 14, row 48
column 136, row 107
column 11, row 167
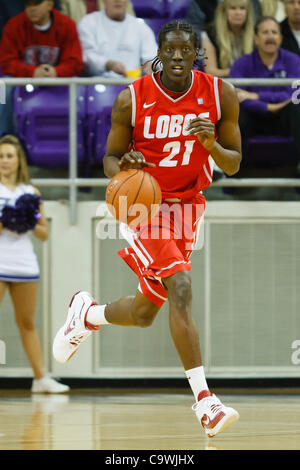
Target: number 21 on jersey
column 174, row 147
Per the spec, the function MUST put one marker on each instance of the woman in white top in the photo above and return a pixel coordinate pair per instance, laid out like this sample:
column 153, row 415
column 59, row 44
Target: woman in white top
column 114, row 43
column 19, row 270
column 230, row 36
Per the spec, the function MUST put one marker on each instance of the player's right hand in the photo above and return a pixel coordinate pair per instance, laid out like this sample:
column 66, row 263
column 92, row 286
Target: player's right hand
column 134, row 160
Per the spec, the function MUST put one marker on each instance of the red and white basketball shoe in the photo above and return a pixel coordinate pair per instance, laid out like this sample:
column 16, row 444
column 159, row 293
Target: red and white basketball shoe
column 212, row 414
column 76, row 329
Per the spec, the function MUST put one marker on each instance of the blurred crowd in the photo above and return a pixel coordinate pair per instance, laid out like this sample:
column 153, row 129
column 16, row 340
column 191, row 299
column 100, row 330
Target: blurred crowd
column 108, row 38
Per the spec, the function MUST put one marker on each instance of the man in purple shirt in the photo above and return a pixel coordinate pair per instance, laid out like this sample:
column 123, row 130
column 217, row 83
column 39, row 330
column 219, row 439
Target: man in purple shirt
column 268, row 110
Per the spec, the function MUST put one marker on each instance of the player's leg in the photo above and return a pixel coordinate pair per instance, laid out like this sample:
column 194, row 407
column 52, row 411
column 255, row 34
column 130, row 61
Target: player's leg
column 182, row 326
column 135, row 310
column 212, row 414
column 24, row 298
column 183, row 329
column 85, row 315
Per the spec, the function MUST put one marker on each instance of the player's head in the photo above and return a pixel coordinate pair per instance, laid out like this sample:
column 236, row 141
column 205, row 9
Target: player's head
column 13, row 159
column 178, row 46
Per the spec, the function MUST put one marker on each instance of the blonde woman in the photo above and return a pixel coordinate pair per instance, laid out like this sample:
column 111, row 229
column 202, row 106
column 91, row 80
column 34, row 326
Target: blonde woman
column 230, row 36
column 19, row 270
column 273, row 8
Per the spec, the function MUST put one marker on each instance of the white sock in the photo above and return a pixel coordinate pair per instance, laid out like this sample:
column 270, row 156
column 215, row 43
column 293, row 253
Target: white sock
column 96, row 315
column 197, row 381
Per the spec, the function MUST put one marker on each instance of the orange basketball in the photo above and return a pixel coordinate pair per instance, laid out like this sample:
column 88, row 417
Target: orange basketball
column 133, row 196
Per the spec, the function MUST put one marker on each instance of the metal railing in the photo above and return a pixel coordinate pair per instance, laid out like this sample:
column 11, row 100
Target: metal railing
column 73, row 182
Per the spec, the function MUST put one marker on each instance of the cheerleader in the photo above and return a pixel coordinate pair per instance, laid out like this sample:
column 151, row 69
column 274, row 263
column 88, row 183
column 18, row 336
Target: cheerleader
column 19, row 269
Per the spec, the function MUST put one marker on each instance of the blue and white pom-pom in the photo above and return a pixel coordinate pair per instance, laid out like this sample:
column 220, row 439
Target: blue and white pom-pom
column 24, row 215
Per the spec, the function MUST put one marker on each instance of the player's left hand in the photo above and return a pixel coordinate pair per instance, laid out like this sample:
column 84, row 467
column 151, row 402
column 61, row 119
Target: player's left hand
column 204, row 129
column 134, row 160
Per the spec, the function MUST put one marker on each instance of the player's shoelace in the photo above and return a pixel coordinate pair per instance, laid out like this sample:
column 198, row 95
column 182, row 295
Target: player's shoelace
column 215, row 407
column 76, row 340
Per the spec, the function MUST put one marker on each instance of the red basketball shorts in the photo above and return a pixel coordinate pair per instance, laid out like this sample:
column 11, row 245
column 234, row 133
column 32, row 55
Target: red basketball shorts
column 163, row 246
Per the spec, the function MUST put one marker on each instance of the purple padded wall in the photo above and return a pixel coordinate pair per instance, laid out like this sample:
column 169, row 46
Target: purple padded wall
column 42, row 123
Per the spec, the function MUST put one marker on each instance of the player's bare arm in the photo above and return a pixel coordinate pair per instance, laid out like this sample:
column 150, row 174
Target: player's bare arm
column 225, row 147
column 117, row 157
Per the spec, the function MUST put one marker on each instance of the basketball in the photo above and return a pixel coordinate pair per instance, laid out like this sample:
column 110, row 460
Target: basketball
column 133, row 196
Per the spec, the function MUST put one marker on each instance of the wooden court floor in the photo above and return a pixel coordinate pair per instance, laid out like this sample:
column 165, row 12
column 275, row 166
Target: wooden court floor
column 143, row 420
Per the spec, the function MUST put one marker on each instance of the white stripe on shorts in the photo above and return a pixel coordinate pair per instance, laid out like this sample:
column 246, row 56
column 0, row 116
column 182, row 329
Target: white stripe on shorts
column 129, row 235
column 153, row 291
column 171, row 266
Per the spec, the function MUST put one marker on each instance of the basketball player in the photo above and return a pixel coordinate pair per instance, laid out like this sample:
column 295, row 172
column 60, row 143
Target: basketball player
column 175, row 119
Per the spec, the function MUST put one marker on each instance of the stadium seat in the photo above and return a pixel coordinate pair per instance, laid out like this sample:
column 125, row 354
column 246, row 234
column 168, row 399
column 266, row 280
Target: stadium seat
column 269, row 150
column 42, row 123
column 176, row 9
column 150, row 8
column 99, row 102
column 265, row 156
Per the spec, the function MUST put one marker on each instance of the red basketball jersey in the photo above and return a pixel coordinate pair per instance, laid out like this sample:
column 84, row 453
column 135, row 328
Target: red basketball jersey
column 159, row 121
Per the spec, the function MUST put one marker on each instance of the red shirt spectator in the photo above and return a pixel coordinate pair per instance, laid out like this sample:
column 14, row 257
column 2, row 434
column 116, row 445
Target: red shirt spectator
column 54, row 51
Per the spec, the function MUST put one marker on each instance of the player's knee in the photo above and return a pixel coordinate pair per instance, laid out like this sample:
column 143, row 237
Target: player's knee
column 144, row 316
column 180, row 290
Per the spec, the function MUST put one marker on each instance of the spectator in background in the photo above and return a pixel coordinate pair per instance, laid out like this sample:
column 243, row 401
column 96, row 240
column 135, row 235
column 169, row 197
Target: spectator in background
column 39, row 42
column 76, row 9
column 274, row 8
column 115, row 43
column 290, row 27
column 201, row 13
column 9, row 8
column 229, row 37
column 268, row 110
